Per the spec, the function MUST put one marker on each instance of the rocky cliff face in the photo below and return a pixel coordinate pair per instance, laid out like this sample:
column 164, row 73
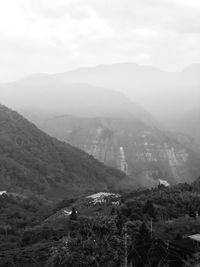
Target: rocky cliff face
column 160, row 160
column 144, row 153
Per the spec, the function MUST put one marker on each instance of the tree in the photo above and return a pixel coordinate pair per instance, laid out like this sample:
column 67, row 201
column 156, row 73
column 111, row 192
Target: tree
column 73, row 215
column 139, row 251
column 112, row 211
column 95, row 244
column 149, row 209
column 194, row 261
column 191, row 211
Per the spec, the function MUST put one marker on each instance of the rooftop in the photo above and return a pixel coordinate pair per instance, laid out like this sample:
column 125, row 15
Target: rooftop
column 103, row 194
column 195, row 237
column 2, row 192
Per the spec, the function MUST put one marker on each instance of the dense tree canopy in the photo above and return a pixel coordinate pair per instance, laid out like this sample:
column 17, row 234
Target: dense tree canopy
column 137, row 230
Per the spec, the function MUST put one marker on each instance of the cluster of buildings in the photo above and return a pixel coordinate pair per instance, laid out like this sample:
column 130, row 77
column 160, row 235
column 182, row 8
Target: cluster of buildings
column 104, row 198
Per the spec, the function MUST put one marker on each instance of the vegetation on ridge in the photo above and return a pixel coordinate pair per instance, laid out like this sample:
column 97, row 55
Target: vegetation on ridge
column 31, row 162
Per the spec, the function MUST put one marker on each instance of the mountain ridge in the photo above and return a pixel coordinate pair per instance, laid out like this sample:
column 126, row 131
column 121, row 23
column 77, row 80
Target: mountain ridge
column 164, row 94
column 46, row 93
column 147, row 153
column 34, row 163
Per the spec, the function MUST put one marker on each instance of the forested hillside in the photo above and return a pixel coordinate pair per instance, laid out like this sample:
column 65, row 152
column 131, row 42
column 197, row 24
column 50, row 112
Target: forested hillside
column 31, row 162
column 139, row 229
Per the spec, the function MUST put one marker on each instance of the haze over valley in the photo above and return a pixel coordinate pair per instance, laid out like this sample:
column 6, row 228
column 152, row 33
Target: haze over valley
column 100, row 133
column 97, row 117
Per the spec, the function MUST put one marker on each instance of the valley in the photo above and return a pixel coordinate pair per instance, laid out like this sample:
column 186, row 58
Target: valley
column 145, row 153
column 33, row 163
column 93, row 179
column 100, row 133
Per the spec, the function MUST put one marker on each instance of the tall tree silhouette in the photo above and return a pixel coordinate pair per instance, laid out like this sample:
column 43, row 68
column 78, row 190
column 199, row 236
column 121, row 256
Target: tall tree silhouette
column 149, row 210
column 139, row 251
column 73, row 215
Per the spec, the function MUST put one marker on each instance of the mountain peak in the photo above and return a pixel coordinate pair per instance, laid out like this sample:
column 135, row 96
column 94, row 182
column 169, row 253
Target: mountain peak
column 125, row 67
column 47, row 93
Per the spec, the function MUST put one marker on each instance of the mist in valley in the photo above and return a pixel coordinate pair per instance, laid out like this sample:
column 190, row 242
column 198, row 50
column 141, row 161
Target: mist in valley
column 99, row 132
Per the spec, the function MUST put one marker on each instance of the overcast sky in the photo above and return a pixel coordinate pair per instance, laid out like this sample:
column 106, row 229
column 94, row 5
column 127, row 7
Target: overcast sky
column 58, row 35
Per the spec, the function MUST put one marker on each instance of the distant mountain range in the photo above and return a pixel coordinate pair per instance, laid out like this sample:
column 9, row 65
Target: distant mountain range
column 31, row 162
column 47, row 95
column 108, row 125
column 172, row 98
column 164, row 94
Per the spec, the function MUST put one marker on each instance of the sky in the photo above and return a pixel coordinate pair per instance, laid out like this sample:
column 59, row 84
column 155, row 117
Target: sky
column 59, row 35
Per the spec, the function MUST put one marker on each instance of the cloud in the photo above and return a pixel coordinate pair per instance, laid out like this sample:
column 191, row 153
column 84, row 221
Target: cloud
column 50, row 36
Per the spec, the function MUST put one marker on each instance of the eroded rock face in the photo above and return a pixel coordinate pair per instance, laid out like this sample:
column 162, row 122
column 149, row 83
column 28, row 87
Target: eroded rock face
column 146, row 154
column 161, row 156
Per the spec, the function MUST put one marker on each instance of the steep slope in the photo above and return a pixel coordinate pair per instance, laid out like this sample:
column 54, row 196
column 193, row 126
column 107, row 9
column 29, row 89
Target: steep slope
column 187, row 129
column 49, row 95
column 190, row 124
column 145, row 153
column 31, row 162
column 165, row 95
